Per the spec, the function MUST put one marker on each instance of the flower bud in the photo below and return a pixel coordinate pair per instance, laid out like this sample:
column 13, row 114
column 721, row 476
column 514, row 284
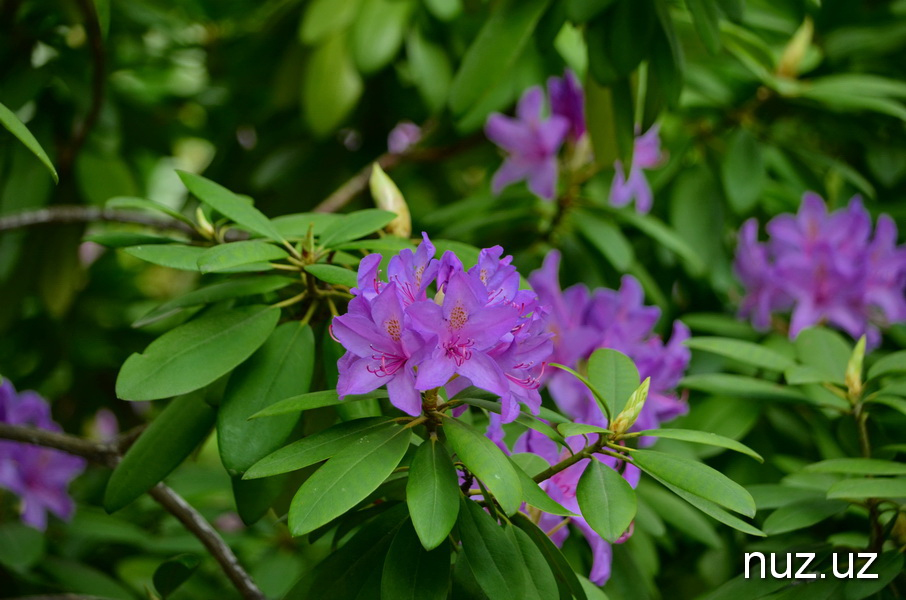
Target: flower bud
column 388, row 197
column 854, row 369
column 633, row 408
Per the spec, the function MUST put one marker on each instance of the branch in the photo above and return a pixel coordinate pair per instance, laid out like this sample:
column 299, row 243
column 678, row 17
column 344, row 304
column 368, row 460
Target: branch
column 86, row 214
column 109, row 455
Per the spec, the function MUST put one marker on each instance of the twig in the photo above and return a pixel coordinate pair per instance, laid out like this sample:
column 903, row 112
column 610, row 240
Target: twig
column 86, row 214
column 59, row 597
column 109, row 455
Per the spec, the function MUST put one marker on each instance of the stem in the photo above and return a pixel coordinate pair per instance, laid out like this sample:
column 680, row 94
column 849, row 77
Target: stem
column 876, row 533
column 86, row 214
column 109, row 455
column 290, row 301
column 567, row 462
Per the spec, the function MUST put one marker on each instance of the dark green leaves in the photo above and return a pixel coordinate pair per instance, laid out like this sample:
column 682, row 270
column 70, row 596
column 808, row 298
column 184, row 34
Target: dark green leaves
column 432, row 493
column 615, row 376
column 495, row 561
column 173, row 572
column 170, row 438
column 703, row 437
column 743, row 172
column 746, row 352
column 12, row 123
column 859, row 489
column 487, row 462
column 238, row 254
column 333, row 274
column 355, row 225
column 230, row 205
column 195, row 354
column 607, row 500
column 413, row 573
column 282, row 367
column 347, row 478
column 20, row 545
column 332, row 85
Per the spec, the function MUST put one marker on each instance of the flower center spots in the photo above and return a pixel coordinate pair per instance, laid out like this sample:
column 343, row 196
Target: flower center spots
column 458, row 317
column 483, row 275
column 419, row 271
column 393, row 329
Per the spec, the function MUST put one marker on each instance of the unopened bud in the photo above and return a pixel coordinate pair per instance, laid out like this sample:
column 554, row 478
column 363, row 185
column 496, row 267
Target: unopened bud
column 854, row 369
column 388, row 197
column 204, row 226
column 633, row 408
column 794, row 53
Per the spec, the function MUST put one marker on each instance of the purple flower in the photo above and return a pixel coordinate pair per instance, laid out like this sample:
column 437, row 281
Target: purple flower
column 402, row 137
column 568, row 101
column 532, row 144
column 479, row 329
column 646, row 155
column 824, row 268
column 39, row 476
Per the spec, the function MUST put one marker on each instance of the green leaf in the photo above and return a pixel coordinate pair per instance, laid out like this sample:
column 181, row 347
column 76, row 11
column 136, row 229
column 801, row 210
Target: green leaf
column 714, row 511
column 129, row 202
column 571, row 429
column 354, row 226
column 297, row 225
column 254, row 497
column 173, row 572
column 702, row 437
column 898, row 404
column 696, row 478
column 378, row 31
column 21, row 546
column 315, row 448
column 16, row 127
column 174, row 256
column 674, row 511
column 282, row 367
column 162, row 447
column 494, row 51
column 227, row 290
column 487, row 462
column 432, row 72
column 230, row 205
column 745, row 352
column 660, row 233
column 347, row 478
column 615, row 376
column 888, row 567
column 560, row 567
column 124, row 239
column 534, row 495
column 325, row 17
column 196, row 353
column 78, row 578
column 719, row 324
column 606, row 499
column 742, row 387
column 432, row 493
column 413, row 573
column 892, row 363
column 303, row 402
column 333, row 274
column 236, row 254
column 496, row 561
column 801, row 514
column 599, row 397
column 607, row 238
column 706, row 16
column 332, row 86
column 540, row 581
column 858, row 466
column 580, row 11
column 825, row 351
column 860, row 489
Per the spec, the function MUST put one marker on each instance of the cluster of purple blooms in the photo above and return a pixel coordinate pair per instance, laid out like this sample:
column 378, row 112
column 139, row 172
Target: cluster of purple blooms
column 39, row 476
column 478, row 329
column 481, row 329
column 533, row 141
column 824, row 268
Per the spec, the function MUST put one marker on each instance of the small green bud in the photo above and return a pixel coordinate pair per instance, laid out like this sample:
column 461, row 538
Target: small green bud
column 854, row 369
column 204, row 226
column 388, row 197
column 633, row 407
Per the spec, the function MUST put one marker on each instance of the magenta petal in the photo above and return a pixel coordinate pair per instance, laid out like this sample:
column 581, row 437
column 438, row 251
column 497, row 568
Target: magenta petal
column 543, row 180
column 403, row 394
column 530, row 104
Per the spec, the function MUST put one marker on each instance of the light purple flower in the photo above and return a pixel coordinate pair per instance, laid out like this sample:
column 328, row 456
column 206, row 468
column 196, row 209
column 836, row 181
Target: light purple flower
column 646, row 154
column 825, row 268
column 568, row 101
column 402, row 137
column 39, row 476
column 532, row 144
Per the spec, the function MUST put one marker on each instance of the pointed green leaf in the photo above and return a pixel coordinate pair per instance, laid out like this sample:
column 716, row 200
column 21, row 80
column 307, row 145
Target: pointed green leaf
column 347, row 478
column 858, row 466
column 746, row 352
column 892, row 363
column 303, row 402
column 742, row 387
column 236, row 254
column 801, row 514
column 487, row 462
column 615, row 376
column 702, row 437
column 173, row 572
column 714, row 511
column 196, row 353
column 355, row 225
column 541, row 584
column 496, row 561
column 859, row 489
column 413, row 573
column 561, row 568
column 167, row 441
column 607, row 238
column 535, row 496
column 174, row 256
column 333, row 274
column 16, row 127
column 432, row 493
column 230, row 205
column 825, row 351
column 697, row 478
column 606, row 499
column 128, row 202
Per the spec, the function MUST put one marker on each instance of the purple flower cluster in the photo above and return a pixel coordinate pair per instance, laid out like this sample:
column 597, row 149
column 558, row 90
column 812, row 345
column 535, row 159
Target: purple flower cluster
column 39, row 476
column 826, row 268
column 646, row 154
column 478, row 329
column 533, row 142
column 584, row 321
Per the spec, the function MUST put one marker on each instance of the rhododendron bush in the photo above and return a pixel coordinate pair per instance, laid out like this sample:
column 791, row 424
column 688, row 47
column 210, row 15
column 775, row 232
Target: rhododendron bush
column 347, row 299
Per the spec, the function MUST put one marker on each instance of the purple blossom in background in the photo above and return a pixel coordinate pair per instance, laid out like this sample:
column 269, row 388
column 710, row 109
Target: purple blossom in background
column 825, row 268
column 581, row 322
column 479, row 329
column 532, row 144
column 646, row 154
column 568, row 101
column 402, row 137
column 39, row 476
